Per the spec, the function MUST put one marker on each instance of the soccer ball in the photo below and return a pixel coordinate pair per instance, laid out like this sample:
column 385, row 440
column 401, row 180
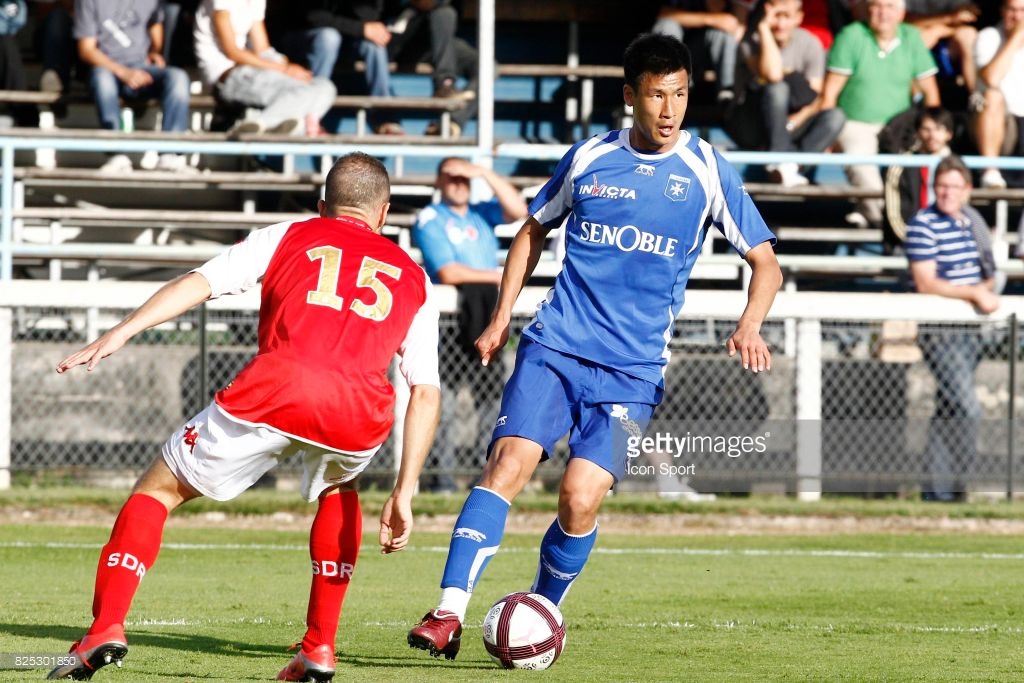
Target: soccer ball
column 524, row 631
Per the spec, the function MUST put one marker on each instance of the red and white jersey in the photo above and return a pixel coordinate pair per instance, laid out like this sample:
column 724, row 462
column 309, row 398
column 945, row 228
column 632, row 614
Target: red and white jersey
column 338, row 302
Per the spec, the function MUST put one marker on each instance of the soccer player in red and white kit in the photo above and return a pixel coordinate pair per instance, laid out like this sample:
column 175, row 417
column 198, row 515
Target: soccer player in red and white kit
column 338, row 302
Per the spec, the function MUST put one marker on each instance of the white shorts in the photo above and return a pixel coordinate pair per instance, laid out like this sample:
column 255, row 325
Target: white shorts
column 220, row 457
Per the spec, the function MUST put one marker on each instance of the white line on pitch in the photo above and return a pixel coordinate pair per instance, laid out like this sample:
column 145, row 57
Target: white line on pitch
column 715, row 552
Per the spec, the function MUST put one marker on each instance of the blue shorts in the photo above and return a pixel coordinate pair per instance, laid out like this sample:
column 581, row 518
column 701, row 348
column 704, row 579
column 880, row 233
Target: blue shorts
column 551, row 393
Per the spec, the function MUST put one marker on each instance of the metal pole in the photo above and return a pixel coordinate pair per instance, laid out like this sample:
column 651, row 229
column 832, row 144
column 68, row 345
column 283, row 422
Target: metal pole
column 203, row 381
column 1010, row 410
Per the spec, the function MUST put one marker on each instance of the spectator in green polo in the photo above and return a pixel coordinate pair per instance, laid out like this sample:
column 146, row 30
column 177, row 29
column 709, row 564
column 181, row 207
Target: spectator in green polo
column 871, row 71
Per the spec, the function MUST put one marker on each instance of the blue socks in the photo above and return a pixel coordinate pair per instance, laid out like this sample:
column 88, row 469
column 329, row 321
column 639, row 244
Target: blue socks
column 475, row 539
column 562, row 557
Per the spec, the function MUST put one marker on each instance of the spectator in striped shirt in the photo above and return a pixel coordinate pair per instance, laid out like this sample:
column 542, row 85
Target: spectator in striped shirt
column 945, row 259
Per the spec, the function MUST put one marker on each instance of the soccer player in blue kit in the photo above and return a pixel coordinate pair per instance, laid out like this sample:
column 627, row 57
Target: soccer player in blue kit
column 639, row 202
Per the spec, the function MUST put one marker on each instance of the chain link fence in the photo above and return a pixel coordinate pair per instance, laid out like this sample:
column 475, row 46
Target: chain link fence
column 879, row 394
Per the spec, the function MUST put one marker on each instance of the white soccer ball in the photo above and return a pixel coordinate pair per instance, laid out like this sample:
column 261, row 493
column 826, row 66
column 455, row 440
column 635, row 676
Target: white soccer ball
column 524, row 631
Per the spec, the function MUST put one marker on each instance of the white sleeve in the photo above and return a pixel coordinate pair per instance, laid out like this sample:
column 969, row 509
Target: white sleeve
column 418, row 352
column 240, row 267
column 986, row 46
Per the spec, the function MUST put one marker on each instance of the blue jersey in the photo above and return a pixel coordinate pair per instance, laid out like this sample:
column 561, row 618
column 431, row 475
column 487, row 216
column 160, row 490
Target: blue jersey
column 446, row 237
column 636, row 223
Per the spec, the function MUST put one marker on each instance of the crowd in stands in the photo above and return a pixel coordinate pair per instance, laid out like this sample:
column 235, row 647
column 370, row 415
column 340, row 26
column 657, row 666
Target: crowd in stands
column 788, row 75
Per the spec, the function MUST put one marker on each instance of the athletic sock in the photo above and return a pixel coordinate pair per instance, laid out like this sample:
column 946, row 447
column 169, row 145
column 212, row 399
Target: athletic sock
column 475, row 540
column 131, row 551
column 334, row 541
column 562, row 557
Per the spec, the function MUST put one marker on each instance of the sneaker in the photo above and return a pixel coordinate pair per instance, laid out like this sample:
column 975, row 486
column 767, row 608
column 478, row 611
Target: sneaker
column 787, row 175
column 92, row 653
column 287, row 127
column 49, row 81
column 175, row 163
column 440, row 632
column 117, row 164
column 317, row 665
column 447, row 89
column 858, row 220
column 245, row 127
column 993, row 179
column 434, row 128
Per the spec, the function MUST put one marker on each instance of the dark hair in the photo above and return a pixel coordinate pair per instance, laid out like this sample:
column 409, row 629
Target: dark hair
column 952, row 163
column 939, row 115
column 357, row 180
column 656, row 54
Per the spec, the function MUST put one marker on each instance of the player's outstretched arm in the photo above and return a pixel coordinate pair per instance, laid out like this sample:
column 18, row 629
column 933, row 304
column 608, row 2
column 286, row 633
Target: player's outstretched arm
column 170, row 301
column 765, row 280
column 519, row 265
column 420, row 422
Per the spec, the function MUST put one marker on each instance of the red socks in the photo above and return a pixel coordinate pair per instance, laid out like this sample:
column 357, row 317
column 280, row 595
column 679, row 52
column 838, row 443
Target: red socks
column 125, row 559
column 334, row 543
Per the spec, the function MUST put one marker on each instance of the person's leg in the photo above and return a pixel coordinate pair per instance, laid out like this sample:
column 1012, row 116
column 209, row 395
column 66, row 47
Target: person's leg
column 481, row 524
column 54, row 43
column 566, row 546
column 334, row 541
column 820, row 131
column 599, row 444
column 774, row 116
column 128, row 555
column 106, row 92
column 317, row 47
column 442, row 23
column 722, row 48
column 858, row 137
column 990, row 131
column 171, row 84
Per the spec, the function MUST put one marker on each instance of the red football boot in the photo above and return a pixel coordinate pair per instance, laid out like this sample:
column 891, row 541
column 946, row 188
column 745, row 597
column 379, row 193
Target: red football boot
column 317, row 665
column 440, row 632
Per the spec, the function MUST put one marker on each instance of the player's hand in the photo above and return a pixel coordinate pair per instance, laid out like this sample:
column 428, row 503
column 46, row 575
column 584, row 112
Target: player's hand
column 492, row 340
column 753, row 350
column 91, row 355
column 395, row 525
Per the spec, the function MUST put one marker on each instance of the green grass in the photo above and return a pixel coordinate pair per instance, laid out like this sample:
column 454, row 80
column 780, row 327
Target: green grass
column 858, row 607
column 262, row 501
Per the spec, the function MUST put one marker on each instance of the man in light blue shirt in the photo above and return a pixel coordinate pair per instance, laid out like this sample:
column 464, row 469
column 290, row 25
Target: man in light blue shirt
column 459, row 247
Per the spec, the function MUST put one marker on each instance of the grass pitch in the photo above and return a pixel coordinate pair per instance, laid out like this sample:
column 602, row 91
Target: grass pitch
column 223, row 604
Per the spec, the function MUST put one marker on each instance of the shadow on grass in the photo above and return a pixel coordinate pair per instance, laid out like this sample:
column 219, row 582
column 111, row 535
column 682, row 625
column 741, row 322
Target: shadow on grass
column 187, row 642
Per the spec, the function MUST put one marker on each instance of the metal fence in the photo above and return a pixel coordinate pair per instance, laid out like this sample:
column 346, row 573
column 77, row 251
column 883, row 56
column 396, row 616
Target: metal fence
column 846, row 407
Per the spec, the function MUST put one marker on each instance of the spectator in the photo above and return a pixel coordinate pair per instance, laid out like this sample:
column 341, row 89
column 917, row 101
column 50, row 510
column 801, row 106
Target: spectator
column 782, row 67
column 425, row 32
column 329, row 31
column 720, row 25
column 238, row 62
column 459, row 248
column 825, row 18
column 945, row 260
column 124, row 46
column 948, row 29
column 1000, row 58
column 54, row 43
column 872, row 70
column 178, row 21
column 13, row 15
